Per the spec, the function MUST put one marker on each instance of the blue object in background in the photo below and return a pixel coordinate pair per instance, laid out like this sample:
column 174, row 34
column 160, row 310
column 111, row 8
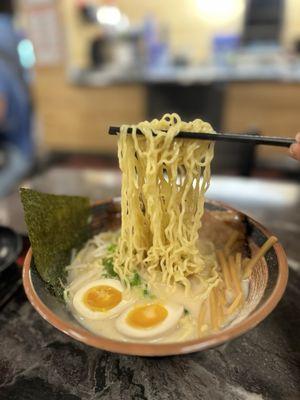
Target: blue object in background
column 26, row 53
column 157, row 50
column 224, row 48
column 16, row 143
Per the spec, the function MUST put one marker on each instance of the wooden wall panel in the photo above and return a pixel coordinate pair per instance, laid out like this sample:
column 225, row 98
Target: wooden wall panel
column 77, row 118
column 272, row 108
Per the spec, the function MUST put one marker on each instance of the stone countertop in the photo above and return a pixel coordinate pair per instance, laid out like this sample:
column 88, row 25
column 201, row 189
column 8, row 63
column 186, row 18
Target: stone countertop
column 37, row 362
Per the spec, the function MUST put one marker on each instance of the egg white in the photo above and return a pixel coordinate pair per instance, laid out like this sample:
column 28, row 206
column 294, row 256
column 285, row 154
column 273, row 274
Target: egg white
column 86, row 312
column 175, row 311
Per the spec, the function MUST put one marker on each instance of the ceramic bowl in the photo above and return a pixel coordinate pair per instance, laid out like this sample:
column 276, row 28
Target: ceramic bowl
column 267, row 284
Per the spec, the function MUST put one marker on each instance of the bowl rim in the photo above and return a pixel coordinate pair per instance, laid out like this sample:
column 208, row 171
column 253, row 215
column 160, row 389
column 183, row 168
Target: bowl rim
column 164, row 349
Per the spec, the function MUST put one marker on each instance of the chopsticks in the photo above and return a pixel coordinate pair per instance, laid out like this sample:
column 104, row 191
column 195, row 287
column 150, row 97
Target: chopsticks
column 225, row 137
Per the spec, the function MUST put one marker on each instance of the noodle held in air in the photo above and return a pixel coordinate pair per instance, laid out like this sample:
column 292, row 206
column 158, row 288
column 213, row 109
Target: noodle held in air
column 163, row 187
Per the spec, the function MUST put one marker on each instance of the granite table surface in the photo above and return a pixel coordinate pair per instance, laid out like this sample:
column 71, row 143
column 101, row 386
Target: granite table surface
column 38, row 362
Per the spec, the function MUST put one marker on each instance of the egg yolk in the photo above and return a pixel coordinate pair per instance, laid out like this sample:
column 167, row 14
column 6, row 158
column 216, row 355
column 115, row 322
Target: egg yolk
column 102, row 298
column 147, row 316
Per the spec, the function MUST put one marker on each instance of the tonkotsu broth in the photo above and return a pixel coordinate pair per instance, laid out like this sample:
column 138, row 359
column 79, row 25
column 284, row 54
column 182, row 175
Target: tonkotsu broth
column 87, row 267
column 186, row 328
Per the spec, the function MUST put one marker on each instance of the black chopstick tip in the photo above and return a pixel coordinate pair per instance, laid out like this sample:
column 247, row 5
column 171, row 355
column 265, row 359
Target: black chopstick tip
column 113, row 130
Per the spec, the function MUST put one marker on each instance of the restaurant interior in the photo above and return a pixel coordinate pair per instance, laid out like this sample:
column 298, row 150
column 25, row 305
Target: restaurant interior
column 92, row 64
column 70, row 69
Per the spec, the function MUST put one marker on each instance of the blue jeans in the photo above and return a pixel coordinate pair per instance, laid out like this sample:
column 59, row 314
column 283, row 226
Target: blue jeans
column 15, row 166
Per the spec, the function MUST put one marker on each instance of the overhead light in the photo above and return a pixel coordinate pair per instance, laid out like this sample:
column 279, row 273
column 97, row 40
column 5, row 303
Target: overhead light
column 108, row 15
column 220, row 11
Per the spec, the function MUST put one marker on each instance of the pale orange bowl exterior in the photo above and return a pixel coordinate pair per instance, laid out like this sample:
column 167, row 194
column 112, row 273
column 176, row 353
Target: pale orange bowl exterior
column 165, row 349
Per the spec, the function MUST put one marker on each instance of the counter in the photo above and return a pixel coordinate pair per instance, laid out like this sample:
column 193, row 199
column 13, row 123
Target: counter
column 201, row 74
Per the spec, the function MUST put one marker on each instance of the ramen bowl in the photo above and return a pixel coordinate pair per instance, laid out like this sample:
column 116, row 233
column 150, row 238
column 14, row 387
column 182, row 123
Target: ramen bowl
column 267, row 284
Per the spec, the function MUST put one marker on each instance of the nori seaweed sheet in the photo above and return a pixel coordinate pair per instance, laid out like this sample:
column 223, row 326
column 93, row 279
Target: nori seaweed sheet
column 56, row 225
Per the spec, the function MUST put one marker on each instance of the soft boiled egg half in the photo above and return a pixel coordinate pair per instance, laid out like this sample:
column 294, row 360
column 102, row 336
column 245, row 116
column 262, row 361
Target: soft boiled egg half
column 149, row 320
column 100, row 299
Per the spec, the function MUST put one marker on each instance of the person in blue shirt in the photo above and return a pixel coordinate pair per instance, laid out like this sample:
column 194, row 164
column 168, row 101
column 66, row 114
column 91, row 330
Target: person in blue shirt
column 16, row 144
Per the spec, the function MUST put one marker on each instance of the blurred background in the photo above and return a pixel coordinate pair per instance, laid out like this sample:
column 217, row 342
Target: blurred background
column 71, row 68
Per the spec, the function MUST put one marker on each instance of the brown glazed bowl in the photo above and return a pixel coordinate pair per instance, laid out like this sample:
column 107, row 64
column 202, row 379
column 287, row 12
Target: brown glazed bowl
column 267, row 284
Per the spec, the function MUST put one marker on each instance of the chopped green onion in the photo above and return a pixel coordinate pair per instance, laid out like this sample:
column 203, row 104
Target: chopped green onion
column 135, row 280
column 147, row 293
column 186, row 311
column 109, row 267
column 111, row 248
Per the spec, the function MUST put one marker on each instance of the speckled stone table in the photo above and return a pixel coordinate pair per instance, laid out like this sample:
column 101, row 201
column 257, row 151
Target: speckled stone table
column 37, row 362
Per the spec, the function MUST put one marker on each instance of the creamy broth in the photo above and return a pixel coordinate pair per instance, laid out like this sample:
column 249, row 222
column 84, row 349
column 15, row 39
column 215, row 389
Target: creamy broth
column 186, row 328
column 88, row 267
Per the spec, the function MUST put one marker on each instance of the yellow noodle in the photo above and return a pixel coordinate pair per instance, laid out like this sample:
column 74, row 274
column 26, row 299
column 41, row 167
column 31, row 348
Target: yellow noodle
column 238, row 263
column 234, row 276
column 221, row 297
column 163, row 186
column 220, row 306
column 234, row 304
column 231, row 241
column 261, row 252
column 201, row 317
column 213, row 310
column 225, row 269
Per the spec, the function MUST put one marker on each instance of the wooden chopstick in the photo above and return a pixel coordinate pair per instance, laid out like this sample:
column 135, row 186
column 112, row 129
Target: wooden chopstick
column 226, row 137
